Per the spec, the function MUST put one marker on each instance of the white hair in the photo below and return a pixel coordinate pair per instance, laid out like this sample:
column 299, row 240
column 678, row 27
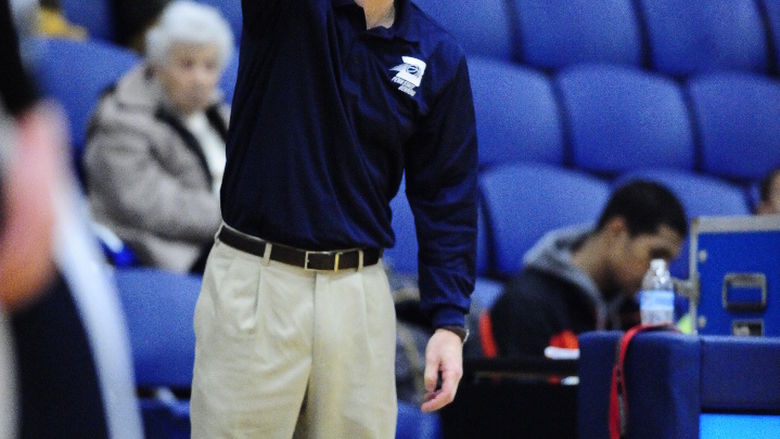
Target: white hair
column 188, row 22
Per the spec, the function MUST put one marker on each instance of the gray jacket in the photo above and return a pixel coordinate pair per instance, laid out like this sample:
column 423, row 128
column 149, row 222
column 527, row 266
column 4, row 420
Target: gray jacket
column 553, row 255
column 147, row 177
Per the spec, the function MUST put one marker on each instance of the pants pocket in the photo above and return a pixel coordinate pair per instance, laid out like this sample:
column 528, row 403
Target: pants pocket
column 234, row 289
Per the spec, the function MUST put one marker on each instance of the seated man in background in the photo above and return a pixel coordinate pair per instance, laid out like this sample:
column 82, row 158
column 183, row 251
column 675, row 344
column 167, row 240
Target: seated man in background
column 770, row 194
column 156, row 145
column 577, row 280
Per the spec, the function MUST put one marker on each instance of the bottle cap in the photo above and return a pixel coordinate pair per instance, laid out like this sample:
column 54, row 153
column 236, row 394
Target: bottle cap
column 658, row 264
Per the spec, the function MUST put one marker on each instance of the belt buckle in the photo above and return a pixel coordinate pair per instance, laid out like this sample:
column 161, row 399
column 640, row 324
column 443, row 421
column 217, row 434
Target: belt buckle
column 335, row 267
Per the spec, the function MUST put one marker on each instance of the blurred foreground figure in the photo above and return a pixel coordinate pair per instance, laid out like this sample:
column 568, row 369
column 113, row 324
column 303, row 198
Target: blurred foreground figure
column 30, row 161
column 58, row 324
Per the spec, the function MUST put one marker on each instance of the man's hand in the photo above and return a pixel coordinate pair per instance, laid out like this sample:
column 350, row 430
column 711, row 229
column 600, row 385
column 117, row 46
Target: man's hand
column 444, row 354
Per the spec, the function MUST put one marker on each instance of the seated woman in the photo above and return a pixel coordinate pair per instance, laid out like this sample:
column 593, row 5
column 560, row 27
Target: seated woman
column 156, row 145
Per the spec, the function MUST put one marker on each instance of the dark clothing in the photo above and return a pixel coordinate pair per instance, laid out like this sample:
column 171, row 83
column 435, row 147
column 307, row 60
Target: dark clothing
column 552, row 301
column 17, row 91
column 58, row 380
column 327, row 116
column 537, row 310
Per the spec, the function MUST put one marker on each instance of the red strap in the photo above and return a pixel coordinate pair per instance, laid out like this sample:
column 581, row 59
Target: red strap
column 489, row 347
column 618, row 396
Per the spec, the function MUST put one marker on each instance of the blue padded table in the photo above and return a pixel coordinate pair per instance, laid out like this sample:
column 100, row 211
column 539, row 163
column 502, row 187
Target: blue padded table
column 735, row 426
column 683, row 386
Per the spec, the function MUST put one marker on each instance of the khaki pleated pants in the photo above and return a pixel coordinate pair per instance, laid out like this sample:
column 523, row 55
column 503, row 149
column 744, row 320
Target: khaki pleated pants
column 283, row 352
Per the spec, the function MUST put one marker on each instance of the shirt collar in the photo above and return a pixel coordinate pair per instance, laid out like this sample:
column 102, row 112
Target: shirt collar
column 402, row 26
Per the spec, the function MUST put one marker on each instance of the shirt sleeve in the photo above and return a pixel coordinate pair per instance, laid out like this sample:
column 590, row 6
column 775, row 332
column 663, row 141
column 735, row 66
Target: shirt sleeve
column 16, row 89
column 441, row 173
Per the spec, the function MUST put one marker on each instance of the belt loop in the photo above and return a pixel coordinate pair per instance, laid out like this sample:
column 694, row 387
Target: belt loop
column 360, row 259
column 267, row 253
column 219, row 230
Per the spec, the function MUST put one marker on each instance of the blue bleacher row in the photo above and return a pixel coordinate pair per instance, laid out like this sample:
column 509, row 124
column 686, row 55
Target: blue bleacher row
column 668, row 36
column 96, row 16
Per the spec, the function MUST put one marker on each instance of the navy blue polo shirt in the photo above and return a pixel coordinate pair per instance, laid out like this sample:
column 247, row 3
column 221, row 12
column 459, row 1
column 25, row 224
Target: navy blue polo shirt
column 327, row 116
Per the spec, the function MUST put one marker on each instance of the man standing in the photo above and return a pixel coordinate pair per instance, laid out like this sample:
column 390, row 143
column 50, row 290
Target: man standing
column 335, row 101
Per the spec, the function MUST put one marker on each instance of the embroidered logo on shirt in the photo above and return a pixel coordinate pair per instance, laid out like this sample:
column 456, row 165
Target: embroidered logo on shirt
column 409, row 74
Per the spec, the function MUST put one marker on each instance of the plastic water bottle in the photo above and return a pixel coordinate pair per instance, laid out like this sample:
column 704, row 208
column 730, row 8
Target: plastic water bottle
column 656, row 299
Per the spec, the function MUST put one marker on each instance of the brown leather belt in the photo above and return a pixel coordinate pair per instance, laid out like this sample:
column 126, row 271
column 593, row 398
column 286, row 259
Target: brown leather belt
column 306, row 259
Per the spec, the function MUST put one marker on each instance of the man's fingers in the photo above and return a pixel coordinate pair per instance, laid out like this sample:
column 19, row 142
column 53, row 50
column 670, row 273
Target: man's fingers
column 450, row 380
column 431, row 375
column 437, row 400
column 443, row 355
column 434, row 400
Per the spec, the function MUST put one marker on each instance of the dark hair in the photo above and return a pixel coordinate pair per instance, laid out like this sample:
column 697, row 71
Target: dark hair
column 766, row 183
column 132, row 18
column 645, row 206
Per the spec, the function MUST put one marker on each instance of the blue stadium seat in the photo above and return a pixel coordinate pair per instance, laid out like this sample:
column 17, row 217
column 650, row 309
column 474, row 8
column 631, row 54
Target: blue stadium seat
column 622, row 118
column 402, row 257
column 95, row 15
column 482, row 27
column 231, row 10
column 524, row 201
column 700, row 195
column 518, row 118
column 738, row 118
column 159, row 307
column 557, row 33
column 412, row 423
column 695, row 36
column 486, row 291
column 76, row 73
